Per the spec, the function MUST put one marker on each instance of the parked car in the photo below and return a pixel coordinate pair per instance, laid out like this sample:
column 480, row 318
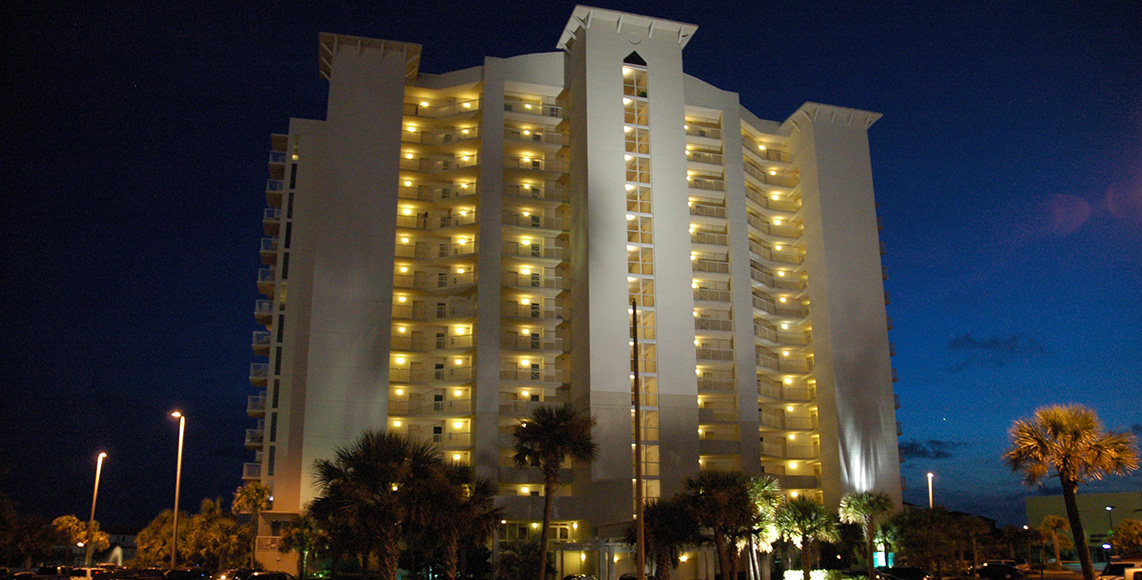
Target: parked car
column 270, row 576
column 1117, row 570
column 186, row 574
column 902, row 573
column 233, row 574
column 998, row 571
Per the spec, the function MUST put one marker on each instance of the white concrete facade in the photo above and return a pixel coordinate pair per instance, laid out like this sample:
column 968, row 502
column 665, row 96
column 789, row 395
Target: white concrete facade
column 466, row 246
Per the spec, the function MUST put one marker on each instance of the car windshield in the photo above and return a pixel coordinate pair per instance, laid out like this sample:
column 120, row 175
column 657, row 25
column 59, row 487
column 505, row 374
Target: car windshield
column 1115, row 569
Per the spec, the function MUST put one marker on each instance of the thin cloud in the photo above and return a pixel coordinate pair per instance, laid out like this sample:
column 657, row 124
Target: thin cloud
column 930, row 449
column 992, row 351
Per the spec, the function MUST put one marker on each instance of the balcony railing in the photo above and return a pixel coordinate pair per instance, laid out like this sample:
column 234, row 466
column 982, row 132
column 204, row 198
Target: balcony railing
column 254, row 437
column 720, row 384
column 764, row 275
column 783, row 364
column 447, row 342
column 423, row 312
column 779, row 204
column 259, row 371
column 260, row 340
column 523, row 374
column 266, row 275
column 710, row 266
column 715, row 324
column 398, row 375
column 533, row 136
column 782, row 337
column 531, row 311
column 251, row 471
column 453, row 407
column 515, row 105
column 786, row 254
column 704, row 157
column 536, row 192
column 780, row 179
column 527, row 343
column 263, row 310
column 532, row 251
column 441, row 109
column 710, row 295
column 779, row 421
column 778, row 391
column 532, row 280
column 711, row 239
column 255, row 404
column 715, row 354
column 534, row 221
column 707, row 183
column 701, row 131
column 707, row 211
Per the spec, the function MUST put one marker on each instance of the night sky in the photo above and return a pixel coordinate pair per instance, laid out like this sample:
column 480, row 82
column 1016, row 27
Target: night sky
column 1008, row 166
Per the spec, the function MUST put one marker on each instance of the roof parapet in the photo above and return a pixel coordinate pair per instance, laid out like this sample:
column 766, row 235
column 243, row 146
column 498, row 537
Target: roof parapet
column 329, row 43
column 582, row 17
column 811, row 112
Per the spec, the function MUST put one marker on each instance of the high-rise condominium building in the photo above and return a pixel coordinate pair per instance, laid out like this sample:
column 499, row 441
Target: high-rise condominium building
column 447, row 252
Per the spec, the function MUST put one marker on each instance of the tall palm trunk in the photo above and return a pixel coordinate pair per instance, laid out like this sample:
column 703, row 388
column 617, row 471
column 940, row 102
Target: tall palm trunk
column 870, row 547
column 723, row 555
column 448, row 559
column 1058, row 553
column 767, row 566
column 1070, row 488
column 544, row 534
column 806, row 556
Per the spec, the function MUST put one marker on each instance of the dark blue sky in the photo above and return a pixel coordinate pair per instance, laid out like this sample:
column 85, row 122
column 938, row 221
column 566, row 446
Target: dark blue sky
column 1008, row 166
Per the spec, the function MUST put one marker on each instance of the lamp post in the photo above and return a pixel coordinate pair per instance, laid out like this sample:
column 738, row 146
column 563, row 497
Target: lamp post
column 91, row 521
column 177, row 483
column 930, row 475
column 1110, row 516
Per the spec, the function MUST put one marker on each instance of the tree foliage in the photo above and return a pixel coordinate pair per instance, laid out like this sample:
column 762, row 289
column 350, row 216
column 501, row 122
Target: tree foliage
column 1127, row 537
column 806, row 522
column 1069, row 442
column 252, row 498
column 863, row 508
column 542, row 441
column 304, row 535
column 722, row 503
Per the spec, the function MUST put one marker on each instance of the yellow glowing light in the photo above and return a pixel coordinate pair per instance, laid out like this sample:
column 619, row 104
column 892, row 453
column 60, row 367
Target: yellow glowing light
column 404, row 240
column 408, row 155
column 683, row 558
column 526, row 214
column 463, row 213
column 781, row 272
column 523, row 332
column 693, row 257
column 461, row 241
column 627, row 157
column 782, row 299
column 777, row 247
column 459, row 362
column 524, row 394
column 464, row 157
column 464, row 131
column 524, row 301
column 698, row 372
column 459, row 330
column 772, row 172
column 424, row 103
column 412, row 129
column 793, row 465
column 396, row 423
column 525, row 242
column 630, row 217
column 406, row 211
column 761, row 147
column 631, row 248
column 527, row 106
column 400, row 360
column 773, row 197
column 463, row 186
column 631, row 278
column 525, row 362
column 629, row 187
column 792, row 437
column 527, row 186
column 784, row 353
column 582, row 556
column 401, row 329
column 400, row 391
column 524, row 490
column 455, row 457
column 459, row 270
column 693, row 229
column 526, row 132
column 696, row 342
column 777, row 221
column 788, row 381
column 408, row 184
column 457, row 424
column 694, row 285
column 627, row 71
column 401, row 299
column 793, row 493
column 403, row 269
column 525, row 271
column 526, row 159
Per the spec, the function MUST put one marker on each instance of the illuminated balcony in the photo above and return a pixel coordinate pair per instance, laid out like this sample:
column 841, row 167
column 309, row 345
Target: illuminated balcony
column 704, row 157
column 267, row 278
column 783, row 363
column 254, row 438
column 710, row 295
column 776, row 279
column 259, row 374
column 426, row 343
column 774, row 227
column 713, row 324
column 533, row 250
column 439, row 311
column 251, row 471
column 716, row 381
column 779, row 336
column 532, row 279
column 717, row 415
column 796, row 391
column 261, row 343
column 782, row 202
column 523, row 106
column 545, row 192
column 256, row 405
column 532, row 220
column 533, row 311
column 274, row 190
column 531, row 343
column 425, row 376
column 264, row 312
column 269, row 251
column 271, row 221
column 706, row 183
column 534, row 136
column 408, row 408
column 704, row 210
column 781, row 450
column 790, row 309
column 772, row 178
column 778, row 420
column 779, row 254
column 703, row 131
column 710, row 266
column 710, row 239
column 434, row 109
column 531, row 375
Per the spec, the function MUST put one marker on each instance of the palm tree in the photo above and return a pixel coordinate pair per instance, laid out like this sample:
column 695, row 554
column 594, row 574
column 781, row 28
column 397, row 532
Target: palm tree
column 1069, row 440
column 543, row 440
column 1050, row 527
column 670, row 527
column 805, row 521
column 863, row 507
column 364, row 490
column 451, row 507
column 70, row 530
column 765, row 492
column 721, row 501
column 303, row 535
column 252, row 498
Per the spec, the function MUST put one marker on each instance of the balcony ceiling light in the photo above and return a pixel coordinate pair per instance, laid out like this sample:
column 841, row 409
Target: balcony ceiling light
column 424, row 103
column 412, row 129
column 408, row 184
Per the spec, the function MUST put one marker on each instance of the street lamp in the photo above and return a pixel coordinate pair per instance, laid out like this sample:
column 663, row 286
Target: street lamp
column 91, row 521
column 930, row 474
column 177, row 483
column 1110, row 516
